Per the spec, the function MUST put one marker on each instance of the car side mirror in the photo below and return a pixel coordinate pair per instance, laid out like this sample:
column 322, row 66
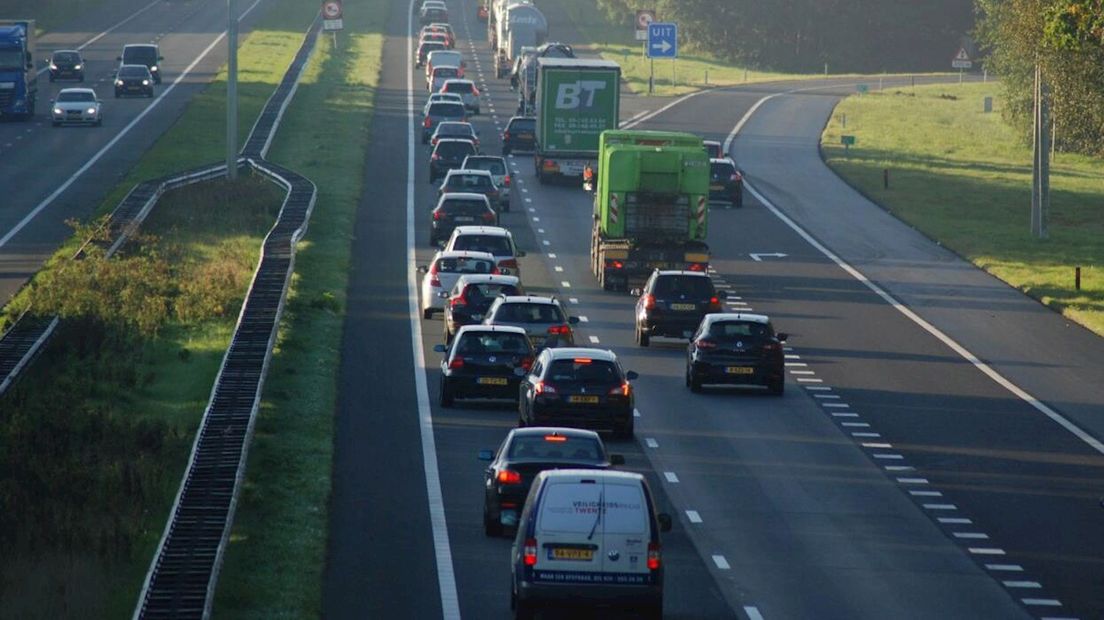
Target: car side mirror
column 486, row 455
column 422, row 269
column 617, row 459
column 521, row 253
column 160, row 58
column 664, row 522
column 782, row 336
column 636, row 292
column 119, row 58
column 632, row 375
column 573, row 320
column 440, row 348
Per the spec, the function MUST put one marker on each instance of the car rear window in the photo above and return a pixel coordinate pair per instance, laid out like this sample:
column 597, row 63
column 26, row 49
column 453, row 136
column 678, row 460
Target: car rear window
column 554, row 447
column 463, row 264
column 523, row 124
column 464, row 207
column 624, row 509
column 495, row 244
column 691, row 286
column 455, row 129
column 445, row 72
column 739, row 329
column 521, row 312
column 714, row 150
column 140, row 55
column 455, row 148
column 721, row 171
column 447, row 109
column 431, row 46
column 488, row 290
column 465, row 182
column 459, row 87
column 583, row 370
column 493, row 342
column 569, row 507
column 493, row 166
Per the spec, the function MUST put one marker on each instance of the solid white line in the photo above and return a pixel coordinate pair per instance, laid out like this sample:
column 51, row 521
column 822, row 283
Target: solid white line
column 650, row 115
column 752, row 612
column 446, row 577
column 106, row 32
column 671, row 477
column 27, row 219
column 693, row 516
column 721, row 562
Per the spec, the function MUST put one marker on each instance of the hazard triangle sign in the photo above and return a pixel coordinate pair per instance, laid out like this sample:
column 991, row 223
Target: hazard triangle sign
column 962, row 60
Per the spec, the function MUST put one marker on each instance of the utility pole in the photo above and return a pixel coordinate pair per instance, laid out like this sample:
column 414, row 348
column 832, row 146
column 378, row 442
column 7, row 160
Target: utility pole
column 1040, row 168
column 232, row 90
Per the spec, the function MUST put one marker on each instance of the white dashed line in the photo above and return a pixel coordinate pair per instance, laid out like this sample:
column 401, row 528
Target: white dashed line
column 693, row 516
column 1005, row 568
column 985, row 550
column 546, row 242
column 802, row 372
column 795, row 364
column 721, row 562
column 536, row 219
column 573, row 300
column 926, row 493
column 826, row 396
column 867, row 435
column 583, row 319
column 551, row 255
column 752, row 612
column 913, row 480
column 791, row 356
column 1042, row 602
column 885, row 456
column 557, row 267
column 837, row 405
column 817, row 388
column 844, row 414
column 806, row 380
column 883, row 446
column 855, row 425
column 955, row 521
column 651, row 443
column 1022, row 584
column 971, row 536
column 671, row 477
column 636, row 414
column 565, row 284
column 900, row 468
column 594, row 340
column 530, row 200
column 540, row 230
column 940, row 506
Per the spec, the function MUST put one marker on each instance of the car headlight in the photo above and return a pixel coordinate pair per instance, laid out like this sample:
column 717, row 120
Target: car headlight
column 118, row 82
column 154, row 69
column 91, row 110
column 53, row 67
column 58, row 111
column 77, row 67
column 145, row 82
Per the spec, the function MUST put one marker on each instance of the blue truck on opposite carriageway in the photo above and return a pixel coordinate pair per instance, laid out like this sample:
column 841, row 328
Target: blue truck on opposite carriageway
column 18, row 78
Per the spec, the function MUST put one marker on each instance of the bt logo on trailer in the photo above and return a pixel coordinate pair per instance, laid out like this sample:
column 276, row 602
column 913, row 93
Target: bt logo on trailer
column 571, row 95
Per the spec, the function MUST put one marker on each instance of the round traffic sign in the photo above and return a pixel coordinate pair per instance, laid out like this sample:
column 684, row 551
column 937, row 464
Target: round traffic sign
column 643, row 18
column 331, row 9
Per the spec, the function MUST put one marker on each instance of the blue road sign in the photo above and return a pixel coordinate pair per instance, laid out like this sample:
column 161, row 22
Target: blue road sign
column 662, row 40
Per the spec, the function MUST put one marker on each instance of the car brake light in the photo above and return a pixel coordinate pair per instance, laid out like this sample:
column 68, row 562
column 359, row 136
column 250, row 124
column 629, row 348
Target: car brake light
column 697, row 267
column 435, row 157
column 508, row 263
column 772, row 346
column 509, row 476
column 583, row 360
column 543, row 388
column 490, row 217
column 527, row 363
column 714, row 303
column 458, row 301
column 622, row 390
column 649, row 302
column 654, row 555
column 437, row 215
column 705, row 344
column 505, row 135
column 736, row 176
column 506, row 180
column 529, row 552
column 560, row 330
column 456, row 362
column 555, row 438
column 427, row 123
column 475, row 91
column 616, row 264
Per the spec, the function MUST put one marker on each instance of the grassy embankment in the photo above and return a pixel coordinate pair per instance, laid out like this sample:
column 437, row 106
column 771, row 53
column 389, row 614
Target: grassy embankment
column 118, row 404
column 963, row 177
column 275, row 560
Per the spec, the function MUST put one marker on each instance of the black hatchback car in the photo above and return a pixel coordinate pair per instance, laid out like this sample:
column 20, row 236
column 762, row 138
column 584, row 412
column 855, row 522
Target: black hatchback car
column 440, row 111
column 447, row 155
column 672, row 304
column 580, row 388
column 520, row 135
column 525, row 453
column 133, row 80
column 66, row 64
column 726, row 184
column 736, row 349
column 459, row 209
column 472, row 296
column 483, row 361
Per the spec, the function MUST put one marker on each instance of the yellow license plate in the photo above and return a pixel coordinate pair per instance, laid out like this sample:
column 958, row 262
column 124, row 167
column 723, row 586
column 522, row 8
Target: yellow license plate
column 684, row 307
column 584, row 555
column 491, row 380
column 740, row 370
column 582, row 399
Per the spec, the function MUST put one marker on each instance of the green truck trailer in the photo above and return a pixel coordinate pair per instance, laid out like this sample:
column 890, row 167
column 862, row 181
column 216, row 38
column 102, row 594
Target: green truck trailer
column 651, row 208
column 577, row 100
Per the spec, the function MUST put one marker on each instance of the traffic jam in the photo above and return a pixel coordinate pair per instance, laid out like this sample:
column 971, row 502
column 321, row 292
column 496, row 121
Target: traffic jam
column 583, row 530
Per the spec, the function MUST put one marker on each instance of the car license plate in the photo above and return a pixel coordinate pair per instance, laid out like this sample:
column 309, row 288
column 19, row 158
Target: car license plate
column 578, row 555
column 740, row 370
column 716, row 188
column 491, row 380
column 571, row 169
column 684, row 306
column 464, row 218
column 583, row 399
column 525, row 136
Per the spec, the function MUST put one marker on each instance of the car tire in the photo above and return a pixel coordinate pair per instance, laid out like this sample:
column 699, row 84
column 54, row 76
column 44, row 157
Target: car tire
column 427, row 313
column 695, row 382
column 642, row 338
column 99, row 122
column 777, row 387
column 625, row 431
column 505, row 150
column 524, row 610
column 445, row 396
column 506, row 207
column 491, row 529
column 653, row 612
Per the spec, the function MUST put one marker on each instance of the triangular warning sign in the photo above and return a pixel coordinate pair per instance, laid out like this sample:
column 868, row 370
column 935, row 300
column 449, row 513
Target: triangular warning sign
column 962, row 55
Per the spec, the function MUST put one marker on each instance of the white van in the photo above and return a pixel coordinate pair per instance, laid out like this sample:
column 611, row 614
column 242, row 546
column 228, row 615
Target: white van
column 591, row 538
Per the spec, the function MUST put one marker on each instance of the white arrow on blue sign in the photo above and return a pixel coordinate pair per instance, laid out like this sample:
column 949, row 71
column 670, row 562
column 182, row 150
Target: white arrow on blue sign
column 662, row 40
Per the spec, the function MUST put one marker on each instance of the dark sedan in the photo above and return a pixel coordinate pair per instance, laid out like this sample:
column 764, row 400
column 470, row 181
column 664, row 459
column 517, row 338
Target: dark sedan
column 459, row 209
column 726, row 184
column 580, row 388
column 441, row 111
column 520, row 135
column 525, row 453
column 483, row 361
column 736, row 349
column 672, row 304
column 447, row 155
column 134, row 80
column 66, row 64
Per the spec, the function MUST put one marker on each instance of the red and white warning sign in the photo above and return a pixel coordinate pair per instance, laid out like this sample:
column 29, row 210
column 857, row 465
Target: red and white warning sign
column 644, row 17
column 331, row 15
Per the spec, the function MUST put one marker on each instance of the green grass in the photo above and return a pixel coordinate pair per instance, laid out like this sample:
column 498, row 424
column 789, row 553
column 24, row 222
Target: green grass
column 963, row 177
column 274, row 563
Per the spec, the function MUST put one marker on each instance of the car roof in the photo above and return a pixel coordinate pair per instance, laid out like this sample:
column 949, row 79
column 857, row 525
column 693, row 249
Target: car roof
column 453, row 141
column 459, row 171
column 540, row 431
column 528, row 299
column 444, row 25
column 463, row 196
column 721, row 160
column 680, row 272
column 65, row 52
column 560, row 353
column 152, row 45
column 522, row 118
column 443, row 123
column 737, row 316
column 487, row 157
column 462, row 254
column 489, row 278
column 494, row 231
column 77, row 90
column 504, row 329
column 573, row 475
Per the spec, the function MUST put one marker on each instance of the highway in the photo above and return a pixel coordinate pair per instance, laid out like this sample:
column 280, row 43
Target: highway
column 906, row 473
column 49, row 175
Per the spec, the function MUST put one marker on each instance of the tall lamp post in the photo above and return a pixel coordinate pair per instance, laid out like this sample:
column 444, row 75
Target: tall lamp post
column 232, row 90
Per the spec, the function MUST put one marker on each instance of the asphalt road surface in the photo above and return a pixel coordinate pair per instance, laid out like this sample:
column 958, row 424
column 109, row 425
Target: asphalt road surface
column 896, row 478
column 49, row 175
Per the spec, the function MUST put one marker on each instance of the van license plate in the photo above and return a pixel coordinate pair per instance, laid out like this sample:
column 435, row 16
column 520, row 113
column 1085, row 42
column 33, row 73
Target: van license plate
column 491, row 380
column 567, row 553
column 740, row 370
column 684, row 306
column 582, row 399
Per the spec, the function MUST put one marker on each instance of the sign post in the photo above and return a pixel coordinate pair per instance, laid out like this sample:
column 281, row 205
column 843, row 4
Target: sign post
column 231, row 90
column 961, row 61
column 662, row 43
column 332, row 19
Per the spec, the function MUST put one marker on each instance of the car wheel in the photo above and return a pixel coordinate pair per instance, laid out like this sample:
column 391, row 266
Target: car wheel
column 524, row 610
column 446, row 398
column 624, row 432
column 491, row 528
column 642, row 338
column 653, row 612
column 427, row 313
column 777, row 387
column 505, row 150
column 695, row 382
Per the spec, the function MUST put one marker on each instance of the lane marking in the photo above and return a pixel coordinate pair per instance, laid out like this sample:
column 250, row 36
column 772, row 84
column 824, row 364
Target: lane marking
column 693, row 516
column 817, row 388
column 583, row 319
column 985, row 550
column 1022, row 584
column 796, row 365
column 565, row 284
column 955, row 521
column 551, row 255
column 940, row 506
column 27, row 219
column 826, row 396
column 844, row 414
column 900, row 468
column 671, row 477
column 651, row 443
column 867, row 435
column 807, row 380
column 446, row 577
column 926, row 493
column 836, row 405
column 1006, row 568
column 912, row 480
column 721, row 562
column 1043, row 602
column 802, row 372
column 594, row 340
column 855, row 425
column 636, row 413
column 752, row 612
column 971, row 535
column 557, row 267
column 868, row 444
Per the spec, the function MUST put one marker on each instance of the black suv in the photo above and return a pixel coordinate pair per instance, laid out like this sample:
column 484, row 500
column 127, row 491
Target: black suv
column 672, row 303
column 448, row 155
column 440, row 111
column 481, row 363
column 726, row 184
column 736, row 349
column 146, row 54
column 459, row 209
column 66, row 64
column 579, row 388
column 520, row 135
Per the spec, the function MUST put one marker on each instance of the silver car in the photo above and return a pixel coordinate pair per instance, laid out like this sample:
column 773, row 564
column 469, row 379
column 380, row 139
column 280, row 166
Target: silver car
column 466, row 89
column 499, row 174
column 441, row 275
column 542, row 318
column 76, row 105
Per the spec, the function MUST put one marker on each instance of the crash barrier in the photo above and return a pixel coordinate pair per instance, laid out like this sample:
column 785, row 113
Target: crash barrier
column 183, row 574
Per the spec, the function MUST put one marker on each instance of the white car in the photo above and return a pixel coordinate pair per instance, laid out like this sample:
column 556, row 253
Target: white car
column 435, row 97
column 464, row 88
column 76, row 105
column 444, row 58
column 493, row 239
column 447, row 267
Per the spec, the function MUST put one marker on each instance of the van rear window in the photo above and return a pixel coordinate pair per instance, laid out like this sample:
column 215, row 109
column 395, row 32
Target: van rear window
column 573, row 508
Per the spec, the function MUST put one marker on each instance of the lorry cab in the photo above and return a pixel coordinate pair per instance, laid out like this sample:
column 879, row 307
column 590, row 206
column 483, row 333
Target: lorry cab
column 588, row 538
column 17, row 74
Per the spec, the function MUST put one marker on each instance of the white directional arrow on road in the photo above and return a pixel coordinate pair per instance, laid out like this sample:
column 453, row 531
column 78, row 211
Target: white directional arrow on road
column 759, row 257
column 662, row 46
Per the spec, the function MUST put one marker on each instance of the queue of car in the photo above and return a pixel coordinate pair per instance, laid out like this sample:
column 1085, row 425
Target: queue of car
column 139, row 69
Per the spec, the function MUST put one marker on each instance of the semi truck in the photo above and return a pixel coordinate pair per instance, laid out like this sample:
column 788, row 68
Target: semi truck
column 18, row 78
column 651, row 207
column 517, row 24
column 577, row 99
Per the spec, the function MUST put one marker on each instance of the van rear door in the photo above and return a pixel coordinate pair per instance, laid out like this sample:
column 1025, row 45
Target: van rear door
column 569, row 532
column 626, row 533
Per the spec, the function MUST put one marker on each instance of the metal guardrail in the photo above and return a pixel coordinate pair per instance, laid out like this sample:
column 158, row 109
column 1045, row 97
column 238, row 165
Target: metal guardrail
column 184, row 572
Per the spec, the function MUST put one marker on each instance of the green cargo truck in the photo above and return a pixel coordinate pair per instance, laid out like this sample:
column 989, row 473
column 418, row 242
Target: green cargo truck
column 651, row 209
column 576, row 101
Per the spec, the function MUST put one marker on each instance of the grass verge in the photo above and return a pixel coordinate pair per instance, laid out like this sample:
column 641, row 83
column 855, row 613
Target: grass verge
column 963, row 177
column 275, row 561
